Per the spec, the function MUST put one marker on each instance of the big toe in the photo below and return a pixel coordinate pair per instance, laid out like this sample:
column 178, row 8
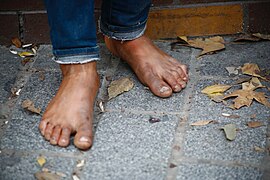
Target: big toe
column 83, row 138
column 159, row 87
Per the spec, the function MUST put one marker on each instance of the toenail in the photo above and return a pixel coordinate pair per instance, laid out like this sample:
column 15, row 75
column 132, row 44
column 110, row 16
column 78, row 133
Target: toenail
column 177, row 88
column 84, row 139
column 164, row 89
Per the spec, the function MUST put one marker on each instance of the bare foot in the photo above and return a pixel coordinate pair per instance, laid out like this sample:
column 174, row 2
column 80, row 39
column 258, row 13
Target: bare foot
column 71, row 110
column 154, row 68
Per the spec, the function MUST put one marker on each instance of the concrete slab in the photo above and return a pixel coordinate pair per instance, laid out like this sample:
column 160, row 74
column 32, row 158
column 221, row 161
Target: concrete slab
column 10, row 65
column 211, row 140
column 214, row 172
column 235, row 55
column 25, row 166
column 128, row 146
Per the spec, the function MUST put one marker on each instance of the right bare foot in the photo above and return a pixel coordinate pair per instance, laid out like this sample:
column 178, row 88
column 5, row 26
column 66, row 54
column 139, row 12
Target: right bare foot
column 71, row 110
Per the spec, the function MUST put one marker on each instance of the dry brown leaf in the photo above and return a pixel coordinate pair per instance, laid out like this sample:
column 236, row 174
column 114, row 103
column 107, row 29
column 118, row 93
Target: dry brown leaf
column 258, row 149
column 232, row 70
column 253, row 84
column 251, row 69
column 41, row 160
column 208, row 45
column 47, row 176
column 26, row 60
column 29, row 105
column 215, row 90
column 262, row 36
column 246, row 37
column 17, row 42
column 245, row 98
column 254, row 124
column 119, row 86
column 201, row 123
column 242, row 80
column 230, row 131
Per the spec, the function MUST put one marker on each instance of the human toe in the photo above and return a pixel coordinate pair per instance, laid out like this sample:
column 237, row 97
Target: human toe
column 83, row 137
column 42, row 126
column 64, row 137
column 55, row 135
column 48, row 131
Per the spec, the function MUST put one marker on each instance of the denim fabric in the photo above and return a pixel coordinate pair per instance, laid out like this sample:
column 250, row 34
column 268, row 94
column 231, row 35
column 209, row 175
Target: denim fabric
column 124, row 20
column 73, row 31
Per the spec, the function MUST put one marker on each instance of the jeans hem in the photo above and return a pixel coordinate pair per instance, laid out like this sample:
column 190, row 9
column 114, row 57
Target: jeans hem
column 122, row 36
column 80, row 59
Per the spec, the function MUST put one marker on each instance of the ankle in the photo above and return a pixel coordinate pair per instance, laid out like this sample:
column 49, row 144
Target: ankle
column 78, row 69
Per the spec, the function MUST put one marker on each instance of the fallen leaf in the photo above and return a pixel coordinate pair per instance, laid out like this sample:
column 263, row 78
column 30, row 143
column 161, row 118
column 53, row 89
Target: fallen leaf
column 41, row 160
column 258, row 149
column 26, row 60
column 13, row 51
column 47, row 176
column 75, row 177
column 80, row 163
column 215, row 90
column 254, row 124
column 242, row 80
column 247, row 37
column 245, row 98
column 101, row 107
column 29, row 105
column 253, row 84
column 119, row 86
column 251, row 69
column 233, row 116
column 208, row 45
column 232, row 70
column 217, row 98
column 27, row 45
column 262, row 36
column 230, row 131
column 26, row 54
column 201, row 123
column 17, row 42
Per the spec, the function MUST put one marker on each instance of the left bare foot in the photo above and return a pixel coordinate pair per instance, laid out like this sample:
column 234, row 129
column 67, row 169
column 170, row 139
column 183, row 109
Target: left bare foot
column 154, row 68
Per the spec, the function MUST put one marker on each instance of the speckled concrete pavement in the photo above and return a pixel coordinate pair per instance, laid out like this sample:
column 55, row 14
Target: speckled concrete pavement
column 126, row 144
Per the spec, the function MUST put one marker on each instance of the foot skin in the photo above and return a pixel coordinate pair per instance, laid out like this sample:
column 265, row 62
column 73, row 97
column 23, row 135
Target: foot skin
column 154, row 68
column 71, row 110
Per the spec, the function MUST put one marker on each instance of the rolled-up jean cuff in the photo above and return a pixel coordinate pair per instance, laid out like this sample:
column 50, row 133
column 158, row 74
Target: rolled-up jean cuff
column 123, row 36
column 76, row 59
column 76, row 55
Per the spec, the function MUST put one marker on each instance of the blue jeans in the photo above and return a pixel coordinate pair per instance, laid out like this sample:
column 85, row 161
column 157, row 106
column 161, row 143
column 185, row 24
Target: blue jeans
column 73, row 31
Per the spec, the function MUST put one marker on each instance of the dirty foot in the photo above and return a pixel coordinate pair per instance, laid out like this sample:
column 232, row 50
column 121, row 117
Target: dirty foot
column 154, row 68
column 71, row 110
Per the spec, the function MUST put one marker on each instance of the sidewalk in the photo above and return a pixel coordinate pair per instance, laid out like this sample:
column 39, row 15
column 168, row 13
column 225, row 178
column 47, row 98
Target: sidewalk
column 126, row 145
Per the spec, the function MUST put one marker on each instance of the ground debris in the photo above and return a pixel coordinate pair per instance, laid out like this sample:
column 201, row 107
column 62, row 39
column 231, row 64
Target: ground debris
column 230, row 131
column 29, row 105
column 208, row 45
column 119, row 86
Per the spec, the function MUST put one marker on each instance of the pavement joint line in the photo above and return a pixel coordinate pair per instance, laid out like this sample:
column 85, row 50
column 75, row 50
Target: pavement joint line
column 24, row 153
column 177, row 151
column 218, row 78
column 191, row 160
column 145, row 112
